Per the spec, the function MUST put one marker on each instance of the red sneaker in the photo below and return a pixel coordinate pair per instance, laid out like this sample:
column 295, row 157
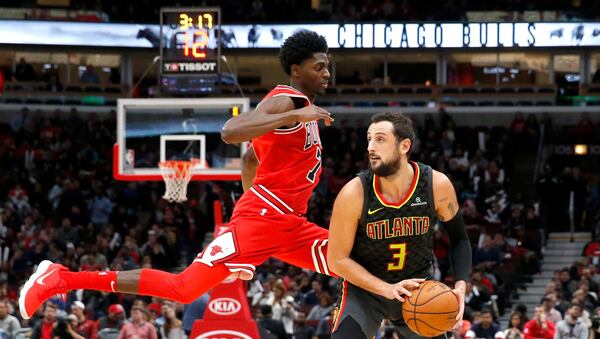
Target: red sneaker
column 44, row 283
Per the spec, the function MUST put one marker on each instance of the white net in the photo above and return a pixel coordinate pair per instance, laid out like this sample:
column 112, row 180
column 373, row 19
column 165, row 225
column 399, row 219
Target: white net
column 177, row 175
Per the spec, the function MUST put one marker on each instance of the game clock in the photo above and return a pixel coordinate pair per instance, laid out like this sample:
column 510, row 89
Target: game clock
column 189, row 43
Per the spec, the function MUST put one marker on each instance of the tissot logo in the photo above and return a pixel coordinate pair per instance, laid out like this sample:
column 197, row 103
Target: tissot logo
column 225, row 306
column 223, row 334
column 186, row 67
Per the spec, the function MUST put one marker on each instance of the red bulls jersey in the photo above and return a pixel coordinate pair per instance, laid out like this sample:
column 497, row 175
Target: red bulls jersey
column 289, row 161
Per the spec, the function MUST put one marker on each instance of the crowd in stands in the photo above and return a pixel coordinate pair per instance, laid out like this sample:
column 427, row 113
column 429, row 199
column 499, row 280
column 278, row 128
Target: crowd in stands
column 60, row 202
column 569, row 307
column 25, row 72
column 335, row 10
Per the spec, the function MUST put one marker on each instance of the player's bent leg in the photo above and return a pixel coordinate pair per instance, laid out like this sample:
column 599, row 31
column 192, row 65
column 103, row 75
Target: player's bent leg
column 307, row 248
column 208, row 269
column 184, row 287
column 349, row 328
column 51, row 279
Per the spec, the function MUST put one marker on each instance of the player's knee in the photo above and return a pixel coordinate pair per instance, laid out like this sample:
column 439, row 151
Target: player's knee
column 186, row 292
column 349, row 328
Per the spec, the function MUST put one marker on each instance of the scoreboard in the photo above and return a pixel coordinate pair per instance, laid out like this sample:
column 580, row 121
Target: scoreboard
column 190, row 41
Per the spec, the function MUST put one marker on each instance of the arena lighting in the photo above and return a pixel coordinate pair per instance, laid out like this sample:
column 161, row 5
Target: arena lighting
column 581, row 149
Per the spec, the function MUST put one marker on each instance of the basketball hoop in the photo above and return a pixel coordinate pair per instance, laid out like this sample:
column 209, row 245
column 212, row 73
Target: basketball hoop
column 177, row 175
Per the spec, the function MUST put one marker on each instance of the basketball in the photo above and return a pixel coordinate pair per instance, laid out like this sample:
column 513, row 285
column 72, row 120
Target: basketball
column 431, row 310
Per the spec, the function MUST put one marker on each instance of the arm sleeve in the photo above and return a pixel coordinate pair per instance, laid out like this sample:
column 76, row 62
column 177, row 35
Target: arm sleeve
column 460, row 247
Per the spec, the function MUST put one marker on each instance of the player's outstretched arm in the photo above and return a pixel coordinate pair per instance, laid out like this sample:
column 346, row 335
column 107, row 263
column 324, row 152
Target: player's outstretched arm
column 249, row 165
column 347, row 210
column 448, row 211
column 272, row 113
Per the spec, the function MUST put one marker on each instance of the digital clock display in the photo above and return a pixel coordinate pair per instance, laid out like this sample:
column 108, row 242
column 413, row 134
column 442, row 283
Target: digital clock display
column 190, row 40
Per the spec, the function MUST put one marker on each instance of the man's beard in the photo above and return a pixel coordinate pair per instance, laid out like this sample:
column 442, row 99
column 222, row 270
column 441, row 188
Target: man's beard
column 385, row 169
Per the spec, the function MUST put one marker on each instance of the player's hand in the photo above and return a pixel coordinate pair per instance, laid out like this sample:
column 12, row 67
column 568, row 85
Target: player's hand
column 459, row 292
column 312, row 113
column 402, row 289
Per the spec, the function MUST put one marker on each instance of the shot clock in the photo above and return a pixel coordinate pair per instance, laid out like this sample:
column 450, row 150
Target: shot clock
column 190, row 41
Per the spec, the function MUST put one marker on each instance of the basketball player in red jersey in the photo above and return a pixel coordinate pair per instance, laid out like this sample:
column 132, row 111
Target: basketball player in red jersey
column 268, row 220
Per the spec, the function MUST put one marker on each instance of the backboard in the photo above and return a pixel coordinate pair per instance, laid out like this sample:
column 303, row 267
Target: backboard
column 154, row 130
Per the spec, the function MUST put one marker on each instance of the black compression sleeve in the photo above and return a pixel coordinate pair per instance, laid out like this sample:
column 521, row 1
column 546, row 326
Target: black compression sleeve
column 460, row 247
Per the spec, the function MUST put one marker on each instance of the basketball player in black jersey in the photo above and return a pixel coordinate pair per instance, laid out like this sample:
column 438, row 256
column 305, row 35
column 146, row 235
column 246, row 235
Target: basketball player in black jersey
column 380, row 235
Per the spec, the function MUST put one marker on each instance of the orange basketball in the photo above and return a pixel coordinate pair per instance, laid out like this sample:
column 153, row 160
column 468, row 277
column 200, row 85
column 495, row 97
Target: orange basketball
column 431, row 310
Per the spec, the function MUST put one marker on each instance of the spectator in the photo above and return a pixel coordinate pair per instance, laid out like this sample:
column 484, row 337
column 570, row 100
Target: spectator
column 487, row 254
column 115, row 76
column 283, row 308
column 264, row 296
column 267, row 322
column 24, row 71
column 100, row 207
column 93, row 260
column 551, row 287
column 515, row 326
column 592, row 249
column 475, row 298
column 595, row 324
column 44, row 328
column 88, row 328
column 548, row 302
column 572, row 327
column 567, row 285
column 194, row 311
column 519, row 124
column 114, row 319
column 301, row 330
column 539, row 326
column 138, row 328
column 8, row 323
column 312, row 297
column 89, row 76
column 321, row 310
column 486, row 328
column 173, row 327
column 65, row 328
column 54, row 84
column 588, row 273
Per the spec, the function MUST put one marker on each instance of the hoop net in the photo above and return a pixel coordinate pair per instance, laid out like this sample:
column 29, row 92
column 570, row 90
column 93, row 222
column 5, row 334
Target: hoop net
column 177, row 175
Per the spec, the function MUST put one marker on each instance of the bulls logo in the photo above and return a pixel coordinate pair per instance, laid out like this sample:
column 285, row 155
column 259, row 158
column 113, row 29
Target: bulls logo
column 222, row 247
column 225, row 306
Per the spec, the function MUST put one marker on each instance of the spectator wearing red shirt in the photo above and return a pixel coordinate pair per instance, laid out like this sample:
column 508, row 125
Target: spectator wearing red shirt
column 592, row 249
column 539, row 326
column 43, row 330
column 86, row 327
column 138, row 328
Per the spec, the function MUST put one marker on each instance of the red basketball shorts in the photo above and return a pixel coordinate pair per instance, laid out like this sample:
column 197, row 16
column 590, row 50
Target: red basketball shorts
column 257, row 232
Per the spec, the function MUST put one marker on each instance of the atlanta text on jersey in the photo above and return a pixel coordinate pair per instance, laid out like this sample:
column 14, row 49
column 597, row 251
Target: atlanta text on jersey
column 400, row 227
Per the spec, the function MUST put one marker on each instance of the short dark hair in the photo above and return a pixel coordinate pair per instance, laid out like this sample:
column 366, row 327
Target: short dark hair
column 575, row 303
column 299, row 47
column 486, row 311
column 50, row 304
column 266, row 310
column 403, row 126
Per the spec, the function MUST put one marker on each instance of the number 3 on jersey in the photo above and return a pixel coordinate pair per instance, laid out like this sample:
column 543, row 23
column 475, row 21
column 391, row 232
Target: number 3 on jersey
column 399, row 253
column 313, row 171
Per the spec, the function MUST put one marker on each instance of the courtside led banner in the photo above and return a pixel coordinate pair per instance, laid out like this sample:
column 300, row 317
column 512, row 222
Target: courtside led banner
column 392, row 36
